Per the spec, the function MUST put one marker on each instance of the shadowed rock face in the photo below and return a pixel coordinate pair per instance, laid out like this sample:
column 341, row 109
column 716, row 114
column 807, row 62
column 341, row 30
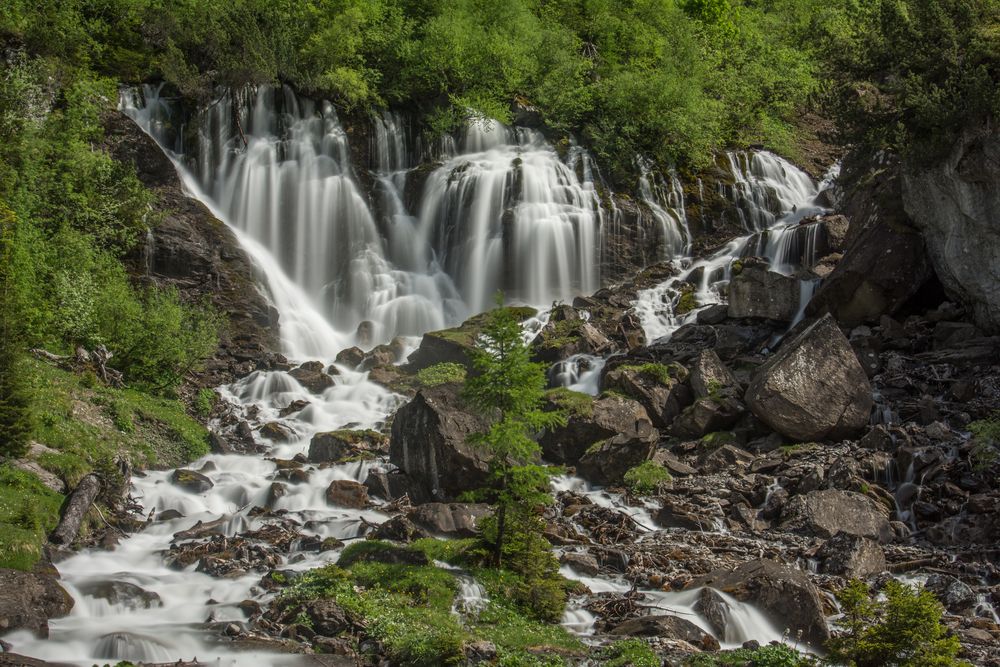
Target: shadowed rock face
column 956, row 205
column 814, row 388
column 29, row 600
column 199, row 255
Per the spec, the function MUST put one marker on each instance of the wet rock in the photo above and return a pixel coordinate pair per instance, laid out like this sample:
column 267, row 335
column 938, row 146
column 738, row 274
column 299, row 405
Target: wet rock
column 813, row 388
column 661, row 391
column 121, row 645
column 293, row 407
column 727, row 458
column 312, row 376
column 449, row 519
column 758, row 292
column 275, row 492
column 708, row 415
column 717, row 313
column 169, row 515
column 710, row 377
column 337, row 446
column 851, row 556
column 430, row 443
column 727, row 340
column 606, row 418
column 782, row 592
column 192, row 481
column 350, row 357
column 394, row 485
column 276, row 432
column 826, row 512
column 29, row 600
column 562, row 338
column 122, row 593
column 582, row 563
column 608, row 461
column 347, row 493
column 669, row 627
column 714, row 609
column 957, row 596
column 399, row 529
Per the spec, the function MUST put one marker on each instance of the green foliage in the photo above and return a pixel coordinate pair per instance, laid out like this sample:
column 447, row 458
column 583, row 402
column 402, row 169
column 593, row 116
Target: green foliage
column 28, row 512
column 628, row 653
column 571, row 402
column 772, row 655
column 912, row 74
column 15, row 411
column 204, row 401
column 662, row 373
column 646, row 478
column 985, row 442
column 903, row 629
column 443, row 373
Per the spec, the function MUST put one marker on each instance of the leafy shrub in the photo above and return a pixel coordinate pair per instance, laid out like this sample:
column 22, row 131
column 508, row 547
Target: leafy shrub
column 985, row 442
column 772, row 655
column 902, row 629
column 646, row 478
column 443, row 373
column 204, row 401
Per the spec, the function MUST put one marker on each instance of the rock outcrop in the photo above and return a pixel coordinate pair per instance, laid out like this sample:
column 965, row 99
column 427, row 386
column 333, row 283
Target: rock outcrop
column 956, row 205
column 826, row 512
column 758, row 292
column 430, row 443
column 814, row 388
column 198, row 254
column 29, row 600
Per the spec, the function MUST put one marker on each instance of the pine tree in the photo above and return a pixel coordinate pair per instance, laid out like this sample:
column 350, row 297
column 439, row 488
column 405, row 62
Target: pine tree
column 507, row 388
column 15, row 405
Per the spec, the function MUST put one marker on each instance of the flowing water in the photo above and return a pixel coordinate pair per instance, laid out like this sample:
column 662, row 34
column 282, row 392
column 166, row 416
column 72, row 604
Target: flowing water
column 502, row 209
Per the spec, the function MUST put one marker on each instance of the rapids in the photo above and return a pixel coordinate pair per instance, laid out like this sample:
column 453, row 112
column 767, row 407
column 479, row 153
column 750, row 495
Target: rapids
column 502, row 209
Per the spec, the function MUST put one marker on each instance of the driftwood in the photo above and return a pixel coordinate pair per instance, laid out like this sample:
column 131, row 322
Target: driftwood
column 75, row 509
column 96, row 360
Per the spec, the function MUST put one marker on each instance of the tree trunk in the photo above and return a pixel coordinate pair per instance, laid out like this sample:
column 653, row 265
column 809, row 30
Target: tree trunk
column 74, row 509
column 501, row 527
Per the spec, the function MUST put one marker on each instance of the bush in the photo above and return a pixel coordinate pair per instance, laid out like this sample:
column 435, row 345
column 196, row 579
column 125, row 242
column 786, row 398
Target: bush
column 985, row 442
column 646, row 478
column 204, row 401
column 443, row 373
column 904, row 628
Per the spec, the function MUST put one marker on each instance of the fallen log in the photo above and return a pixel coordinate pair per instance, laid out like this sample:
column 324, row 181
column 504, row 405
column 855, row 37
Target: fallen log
column 75, row 509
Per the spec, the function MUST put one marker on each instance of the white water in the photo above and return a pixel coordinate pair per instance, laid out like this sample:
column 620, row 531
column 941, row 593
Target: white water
column 508, row 212
column 771, row 198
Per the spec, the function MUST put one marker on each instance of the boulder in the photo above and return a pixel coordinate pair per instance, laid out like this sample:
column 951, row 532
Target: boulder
column 336, row 446
column 122, row 593
column 659, row 388
column 708, row 415
column 347, row 493
column 28, row 600
column 453, row 345
column 562, row 338
column 449, row 519
column 192, row 481
column 350, row 357
column 956, row 596
column 851, row 556
column 430, row 444
column 813, row 388
column 601, row 419
column 276, row 432
column 312, row 376
column 758, row 292
column 607, row 462
column 399, row 529
column 293, row 407
column 395, row 484
column 956, row 205
column 826, row 512
column 783, row 593
column 667, row 627
column 710, row 377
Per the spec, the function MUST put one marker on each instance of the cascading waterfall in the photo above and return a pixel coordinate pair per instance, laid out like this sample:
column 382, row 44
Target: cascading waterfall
column 772, row 198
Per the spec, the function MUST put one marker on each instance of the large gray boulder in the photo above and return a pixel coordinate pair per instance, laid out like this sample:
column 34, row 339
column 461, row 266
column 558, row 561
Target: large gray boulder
column 814, row 388
column 956, row 205
column 757, row 292
column 430, row 443
column 851, row 556
column 29, row 600
column 827, row 512
column 783, row 593
column 665, row 626
column 659, row 388
column 593, row 422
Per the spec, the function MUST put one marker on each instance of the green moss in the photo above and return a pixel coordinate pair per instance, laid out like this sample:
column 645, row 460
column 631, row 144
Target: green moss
column 645, row 478
column 455, row 552
column 718, row 439
column 985, row 442
column 575, row 403
column 443, row 373
column 628, row 653
column 28, row 512
column 666, row 374
column 562, row 333
column 773, row 655
column 686, row 302
column 204, row 402
column 736, row 268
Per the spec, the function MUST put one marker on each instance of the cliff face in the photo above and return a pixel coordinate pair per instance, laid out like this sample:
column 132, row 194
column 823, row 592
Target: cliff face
column 192, row 250
column 956, row 205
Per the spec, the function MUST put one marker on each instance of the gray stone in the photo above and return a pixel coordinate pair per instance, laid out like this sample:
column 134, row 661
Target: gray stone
column 826, row 512
column 757, row 292
column 29, row 600
column 851, row 556
column 813, row 388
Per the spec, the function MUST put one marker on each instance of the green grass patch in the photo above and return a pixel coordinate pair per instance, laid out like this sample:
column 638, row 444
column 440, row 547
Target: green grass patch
column 663, row 373
column 87, row 423
column 575, row 403
column 28, row 512
column 628, row 653
column 773, row 655
column 645, row 478
column 443, row 373
column 718, row 439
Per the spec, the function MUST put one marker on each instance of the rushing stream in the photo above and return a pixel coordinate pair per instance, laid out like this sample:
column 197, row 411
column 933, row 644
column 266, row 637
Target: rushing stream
column 502, row 209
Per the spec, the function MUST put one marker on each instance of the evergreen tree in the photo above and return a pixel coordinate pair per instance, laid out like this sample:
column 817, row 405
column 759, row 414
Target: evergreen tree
column 15, row 406
column 507, row 388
